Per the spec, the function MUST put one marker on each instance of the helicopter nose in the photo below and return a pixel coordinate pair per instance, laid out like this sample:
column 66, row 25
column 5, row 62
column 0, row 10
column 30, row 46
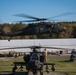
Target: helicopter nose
column 35, row 65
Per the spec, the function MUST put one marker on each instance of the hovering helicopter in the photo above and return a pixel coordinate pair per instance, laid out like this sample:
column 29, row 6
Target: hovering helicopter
column 38, row 28
column 34, row 61
column 41, row 27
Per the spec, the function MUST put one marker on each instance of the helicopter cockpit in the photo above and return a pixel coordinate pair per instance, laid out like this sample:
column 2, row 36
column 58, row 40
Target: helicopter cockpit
column 34, row 57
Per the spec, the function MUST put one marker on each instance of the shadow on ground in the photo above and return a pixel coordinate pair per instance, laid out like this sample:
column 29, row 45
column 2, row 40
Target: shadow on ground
column 65, row 61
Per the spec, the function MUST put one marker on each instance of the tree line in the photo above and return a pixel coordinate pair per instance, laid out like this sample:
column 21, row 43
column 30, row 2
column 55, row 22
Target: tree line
column 70, row 31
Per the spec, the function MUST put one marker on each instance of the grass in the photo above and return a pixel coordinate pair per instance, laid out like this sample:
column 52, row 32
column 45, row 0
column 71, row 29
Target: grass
column 62, row 65
column 8, row 65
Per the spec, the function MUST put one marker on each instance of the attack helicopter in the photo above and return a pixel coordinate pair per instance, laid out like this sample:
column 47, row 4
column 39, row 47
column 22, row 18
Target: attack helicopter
column 34, row 61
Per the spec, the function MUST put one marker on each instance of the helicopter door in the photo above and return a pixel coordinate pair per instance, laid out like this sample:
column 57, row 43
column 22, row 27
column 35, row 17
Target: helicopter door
column 42, row 28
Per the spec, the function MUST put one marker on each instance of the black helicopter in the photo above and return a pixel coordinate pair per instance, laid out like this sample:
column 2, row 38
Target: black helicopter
column 34, row 61
column 41, row 27
column 38, row 28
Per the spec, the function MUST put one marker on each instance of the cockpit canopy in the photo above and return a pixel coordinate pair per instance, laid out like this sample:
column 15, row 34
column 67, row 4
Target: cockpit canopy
column 34, row 56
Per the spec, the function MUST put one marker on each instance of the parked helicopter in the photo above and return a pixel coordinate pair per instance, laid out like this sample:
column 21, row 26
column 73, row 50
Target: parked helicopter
column 34, row 61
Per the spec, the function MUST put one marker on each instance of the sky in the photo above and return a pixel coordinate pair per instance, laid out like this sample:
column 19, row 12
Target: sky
column 37, row 8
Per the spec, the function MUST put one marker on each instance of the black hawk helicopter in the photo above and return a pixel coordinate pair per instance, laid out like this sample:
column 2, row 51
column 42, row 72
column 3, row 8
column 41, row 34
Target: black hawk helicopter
column 34, row 61
column 41, row 27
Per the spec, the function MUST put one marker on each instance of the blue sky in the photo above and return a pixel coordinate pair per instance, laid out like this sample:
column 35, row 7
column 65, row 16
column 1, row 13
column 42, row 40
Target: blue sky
column 37, row 8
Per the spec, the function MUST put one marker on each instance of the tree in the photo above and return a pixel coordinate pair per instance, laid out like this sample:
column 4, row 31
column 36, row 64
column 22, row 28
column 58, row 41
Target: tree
column 74, row 32
column 18, row 26
column 6, row 29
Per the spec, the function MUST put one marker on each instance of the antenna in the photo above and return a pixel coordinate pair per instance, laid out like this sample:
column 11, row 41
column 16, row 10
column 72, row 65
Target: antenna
column 34, row 43
column 39, row 48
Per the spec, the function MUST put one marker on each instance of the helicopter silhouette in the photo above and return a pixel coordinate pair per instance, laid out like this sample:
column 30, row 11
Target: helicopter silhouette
column 34, row 61
column 39, row 28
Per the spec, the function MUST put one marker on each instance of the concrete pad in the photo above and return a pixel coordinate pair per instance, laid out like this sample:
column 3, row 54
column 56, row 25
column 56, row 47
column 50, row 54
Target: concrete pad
column 30, row 73
column 54, row 73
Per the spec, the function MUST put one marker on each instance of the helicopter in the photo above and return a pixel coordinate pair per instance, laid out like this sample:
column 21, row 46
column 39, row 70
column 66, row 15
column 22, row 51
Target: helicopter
column 34, row 61
column 39, row 26
column 38, row 29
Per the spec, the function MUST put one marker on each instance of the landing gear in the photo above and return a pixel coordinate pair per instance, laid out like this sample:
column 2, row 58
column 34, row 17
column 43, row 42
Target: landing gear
column 14, row 69
column 35, row 73
column 53, row 69
column 41, row 73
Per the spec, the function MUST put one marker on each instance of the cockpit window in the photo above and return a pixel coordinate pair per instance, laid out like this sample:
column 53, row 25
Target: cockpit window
column 34, row 56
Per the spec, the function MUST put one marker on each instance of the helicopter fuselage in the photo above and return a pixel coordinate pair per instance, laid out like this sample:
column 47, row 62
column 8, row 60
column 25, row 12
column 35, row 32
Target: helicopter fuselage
column 33, row 29
column 34, row 62
column 36, row 29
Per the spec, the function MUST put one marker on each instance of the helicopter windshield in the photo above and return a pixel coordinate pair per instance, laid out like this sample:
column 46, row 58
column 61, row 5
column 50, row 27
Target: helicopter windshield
column 34, row 57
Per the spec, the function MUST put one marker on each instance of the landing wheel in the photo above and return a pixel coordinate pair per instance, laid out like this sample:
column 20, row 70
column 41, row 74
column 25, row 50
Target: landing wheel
column 27, row 73
column 13, row 70
column 38, row 73
column 35, row 73
column 32, row 73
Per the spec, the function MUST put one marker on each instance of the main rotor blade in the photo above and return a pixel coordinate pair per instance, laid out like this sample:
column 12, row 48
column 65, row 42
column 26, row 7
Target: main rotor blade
column 64, row 14
column 26, row 16
column 27, row 21
column 57, row 48
column 13, row 48
column 31, row 47
column 42, row 19
column 33, row 20
column 36, row 47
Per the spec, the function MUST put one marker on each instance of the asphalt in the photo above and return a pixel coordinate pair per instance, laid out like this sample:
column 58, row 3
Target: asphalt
column 30, row 73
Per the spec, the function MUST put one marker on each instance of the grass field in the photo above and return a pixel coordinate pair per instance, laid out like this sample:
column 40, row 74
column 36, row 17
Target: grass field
column 62, row 65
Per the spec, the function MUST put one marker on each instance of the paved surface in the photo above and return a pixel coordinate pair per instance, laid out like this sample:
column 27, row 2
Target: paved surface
column 60, row 56
column 45, row 73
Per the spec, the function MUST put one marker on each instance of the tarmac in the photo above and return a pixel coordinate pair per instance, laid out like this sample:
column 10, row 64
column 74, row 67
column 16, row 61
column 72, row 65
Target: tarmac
column 30, row 73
